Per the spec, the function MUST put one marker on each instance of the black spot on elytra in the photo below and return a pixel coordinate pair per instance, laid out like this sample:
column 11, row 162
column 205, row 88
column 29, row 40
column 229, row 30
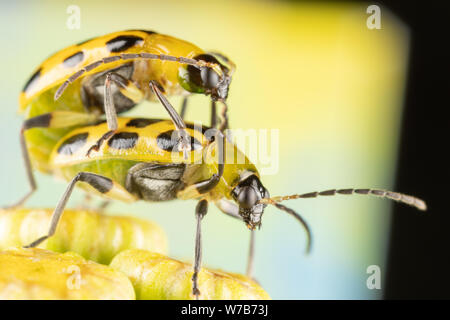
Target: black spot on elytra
column 211, row 137
column 123, row 140
column 71, row 145
column 73, row 60
column 122, row 43
column 96, row 123
column 32, row 81
column 203, row 129
column 141, row 122
column 168, row 140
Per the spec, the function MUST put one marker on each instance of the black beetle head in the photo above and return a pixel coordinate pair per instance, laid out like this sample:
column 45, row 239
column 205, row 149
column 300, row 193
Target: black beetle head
column 247, row 195
column 205, row 79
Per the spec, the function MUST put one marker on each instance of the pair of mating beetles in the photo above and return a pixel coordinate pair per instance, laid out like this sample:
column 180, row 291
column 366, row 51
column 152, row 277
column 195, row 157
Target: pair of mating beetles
column 71, row 94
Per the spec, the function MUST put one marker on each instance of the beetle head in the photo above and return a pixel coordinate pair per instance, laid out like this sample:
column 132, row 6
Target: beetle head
column 205, row 79
column 247, row 195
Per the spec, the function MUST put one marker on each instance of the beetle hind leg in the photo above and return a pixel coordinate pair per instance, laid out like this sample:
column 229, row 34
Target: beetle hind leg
column 29, row 171
column 56, row 119
column 100, row 183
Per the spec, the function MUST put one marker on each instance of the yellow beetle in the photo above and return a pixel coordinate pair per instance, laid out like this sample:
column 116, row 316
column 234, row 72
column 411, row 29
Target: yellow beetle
column 111, row 74
column 141, row 161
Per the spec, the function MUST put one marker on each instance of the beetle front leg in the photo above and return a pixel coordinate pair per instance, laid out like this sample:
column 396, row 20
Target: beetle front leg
column 225, row 122
column 200, row 212
column 213, row 114
column 195, row 190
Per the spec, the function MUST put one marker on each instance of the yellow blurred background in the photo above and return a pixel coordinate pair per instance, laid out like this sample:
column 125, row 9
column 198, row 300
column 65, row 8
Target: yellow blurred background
column 332, row 87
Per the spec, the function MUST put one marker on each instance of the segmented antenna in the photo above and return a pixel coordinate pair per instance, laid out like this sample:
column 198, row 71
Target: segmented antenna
column 399, row 197
column 300, row 219
column 131, row 56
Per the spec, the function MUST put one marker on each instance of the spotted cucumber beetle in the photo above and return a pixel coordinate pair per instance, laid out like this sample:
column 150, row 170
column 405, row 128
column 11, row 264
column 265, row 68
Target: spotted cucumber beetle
column 141, row 64
column 141, row 161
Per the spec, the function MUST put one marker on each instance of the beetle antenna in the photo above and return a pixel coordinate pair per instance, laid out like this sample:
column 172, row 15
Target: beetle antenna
column 133, row 56
column 399, row 197
column 296, row 216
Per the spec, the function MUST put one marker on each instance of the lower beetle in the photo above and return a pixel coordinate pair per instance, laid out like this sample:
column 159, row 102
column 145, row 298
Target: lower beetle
column 141, row 161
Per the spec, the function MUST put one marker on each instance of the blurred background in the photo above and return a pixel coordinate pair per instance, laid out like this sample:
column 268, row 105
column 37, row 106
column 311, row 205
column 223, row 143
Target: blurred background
column 334, row 89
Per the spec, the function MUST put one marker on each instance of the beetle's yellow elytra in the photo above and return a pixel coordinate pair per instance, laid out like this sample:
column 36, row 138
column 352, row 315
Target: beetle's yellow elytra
column 54, row 70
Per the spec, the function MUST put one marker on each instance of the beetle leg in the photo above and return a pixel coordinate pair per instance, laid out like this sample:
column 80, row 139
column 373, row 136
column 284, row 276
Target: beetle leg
column 96, row 146
column 29, row 171
column 101, row 184
column 251, row 255
column 224, row 114
column 183, row 108
column 176, row 119
column 129, row 90
column 232, row 210
column 224, row 124
column 202, row 187
column 213, row 114
column 200, row 212
column 56, row 119
column 207, row 185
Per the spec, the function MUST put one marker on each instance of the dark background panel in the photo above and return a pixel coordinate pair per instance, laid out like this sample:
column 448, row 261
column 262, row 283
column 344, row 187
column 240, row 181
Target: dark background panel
column 419, row 255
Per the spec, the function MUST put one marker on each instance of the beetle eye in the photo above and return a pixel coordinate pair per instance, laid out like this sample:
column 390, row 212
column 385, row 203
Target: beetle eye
column 210, row 78
column 247, row 198
column 204, row 77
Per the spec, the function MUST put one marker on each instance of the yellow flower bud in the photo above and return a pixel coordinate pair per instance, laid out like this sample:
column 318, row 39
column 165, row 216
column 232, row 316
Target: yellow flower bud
column 155, row 276
column 42, row 274
column 93, row 235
